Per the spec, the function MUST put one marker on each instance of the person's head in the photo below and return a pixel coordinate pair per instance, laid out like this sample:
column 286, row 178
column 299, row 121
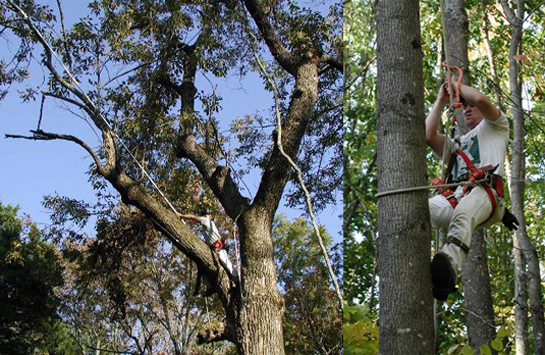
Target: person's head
column 472, row 116
column 208, row 215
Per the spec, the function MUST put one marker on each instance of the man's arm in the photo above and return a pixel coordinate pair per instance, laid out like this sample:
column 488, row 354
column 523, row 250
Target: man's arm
column 435, row 140
column 477, row 99
column 190, row 217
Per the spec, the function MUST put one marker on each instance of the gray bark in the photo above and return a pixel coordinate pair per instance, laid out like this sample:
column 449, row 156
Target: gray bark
column 478, row 295
column 521, row 302
column 406, row 306
column 515, row 17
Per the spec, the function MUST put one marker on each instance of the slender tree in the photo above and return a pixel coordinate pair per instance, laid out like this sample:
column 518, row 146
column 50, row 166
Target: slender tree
column 515, row 16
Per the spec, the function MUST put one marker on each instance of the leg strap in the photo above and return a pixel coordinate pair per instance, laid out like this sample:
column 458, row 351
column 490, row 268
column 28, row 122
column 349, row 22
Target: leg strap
column 459, row 243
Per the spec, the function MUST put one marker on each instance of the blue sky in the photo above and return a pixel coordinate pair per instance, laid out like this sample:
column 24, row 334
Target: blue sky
column 32, row 169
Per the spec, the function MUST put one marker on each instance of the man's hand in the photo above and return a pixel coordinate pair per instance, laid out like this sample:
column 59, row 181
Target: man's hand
column 443, row 95
column 510, row 221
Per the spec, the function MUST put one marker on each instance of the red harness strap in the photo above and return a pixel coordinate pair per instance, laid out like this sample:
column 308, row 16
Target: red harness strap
column 445, row 191
column 479, row 173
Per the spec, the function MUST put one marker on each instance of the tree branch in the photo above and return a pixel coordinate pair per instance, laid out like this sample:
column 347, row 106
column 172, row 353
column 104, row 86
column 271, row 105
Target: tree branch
column 303, row 99
column 299, row 175
column 46, row 136
column 279, row 52
column 218, row 177
column 332, row 62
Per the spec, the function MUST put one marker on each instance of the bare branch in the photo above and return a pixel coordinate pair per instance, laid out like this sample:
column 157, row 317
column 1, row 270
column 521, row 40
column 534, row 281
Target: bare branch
column 69, row 100
column 46, row 136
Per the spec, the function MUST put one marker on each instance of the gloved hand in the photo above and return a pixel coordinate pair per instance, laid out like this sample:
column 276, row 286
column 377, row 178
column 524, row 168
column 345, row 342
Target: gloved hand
column 510, row 221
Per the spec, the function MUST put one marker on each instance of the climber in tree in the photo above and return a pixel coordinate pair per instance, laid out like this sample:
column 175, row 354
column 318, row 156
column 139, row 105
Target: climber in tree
column 478, row 156
column 212, row 238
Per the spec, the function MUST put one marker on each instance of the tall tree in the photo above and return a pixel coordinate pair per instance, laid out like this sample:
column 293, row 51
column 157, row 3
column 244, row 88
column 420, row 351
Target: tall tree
column 154, row 36
column 406, row 306
column 515, row 16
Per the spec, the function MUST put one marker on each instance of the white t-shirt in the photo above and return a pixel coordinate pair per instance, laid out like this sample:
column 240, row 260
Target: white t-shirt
column 486, row 144
column 211, row 232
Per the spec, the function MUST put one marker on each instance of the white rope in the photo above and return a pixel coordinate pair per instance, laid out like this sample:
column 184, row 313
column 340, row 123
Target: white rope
column 92, row 105
column 299, row 176
column 428, row 187
column 239, row 262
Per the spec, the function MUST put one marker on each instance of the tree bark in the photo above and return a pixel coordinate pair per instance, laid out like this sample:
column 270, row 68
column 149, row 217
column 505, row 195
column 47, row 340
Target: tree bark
column 478, row 295
column 521, row 302
column 259, row 329
column 515, row 17
column 406, row 305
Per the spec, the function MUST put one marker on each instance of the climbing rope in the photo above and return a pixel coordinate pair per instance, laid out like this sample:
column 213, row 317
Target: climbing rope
column 429, row 187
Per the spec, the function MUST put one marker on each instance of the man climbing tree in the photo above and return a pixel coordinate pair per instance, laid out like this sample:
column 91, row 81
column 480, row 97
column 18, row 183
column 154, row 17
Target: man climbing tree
column 479, row 155
column 212, row 237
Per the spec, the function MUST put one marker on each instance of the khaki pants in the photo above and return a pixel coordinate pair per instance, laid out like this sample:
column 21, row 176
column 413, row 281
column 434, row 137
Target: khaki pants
column 471, row 213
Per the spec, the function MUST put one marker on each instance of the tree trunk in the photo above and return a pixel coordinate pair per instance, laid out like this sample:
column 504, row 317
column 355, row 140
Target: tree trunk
column 406, row 306
column 521, row 302
column 490, row 55
column 259, row 329
column 478, row 295
column 518, row 175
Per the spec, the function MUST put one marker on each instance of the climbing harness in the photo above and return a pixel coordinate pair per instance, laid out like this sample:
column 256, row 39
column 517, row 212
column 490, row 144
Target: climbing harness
column 483, row 177
column 219, row 244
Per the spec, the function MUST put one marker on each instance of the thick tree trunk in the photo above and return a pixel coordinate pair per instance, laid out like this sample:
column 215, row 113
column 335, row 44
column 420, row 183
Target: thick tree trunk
column 406, row 306
column 259, row 329
column 478, row 295
column 517, row 181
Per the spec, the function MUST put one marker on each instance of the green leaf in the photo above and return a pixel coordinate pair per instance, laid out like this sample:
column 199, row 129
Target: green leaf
column 485, row 350
column 503, row 332
column 467, row 350
column 497, row 344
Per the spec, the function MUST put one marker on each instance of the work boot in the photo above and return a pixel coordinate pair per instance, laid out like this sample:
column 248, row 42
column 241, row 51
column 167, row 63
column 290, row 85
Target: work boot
column 443, row 277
